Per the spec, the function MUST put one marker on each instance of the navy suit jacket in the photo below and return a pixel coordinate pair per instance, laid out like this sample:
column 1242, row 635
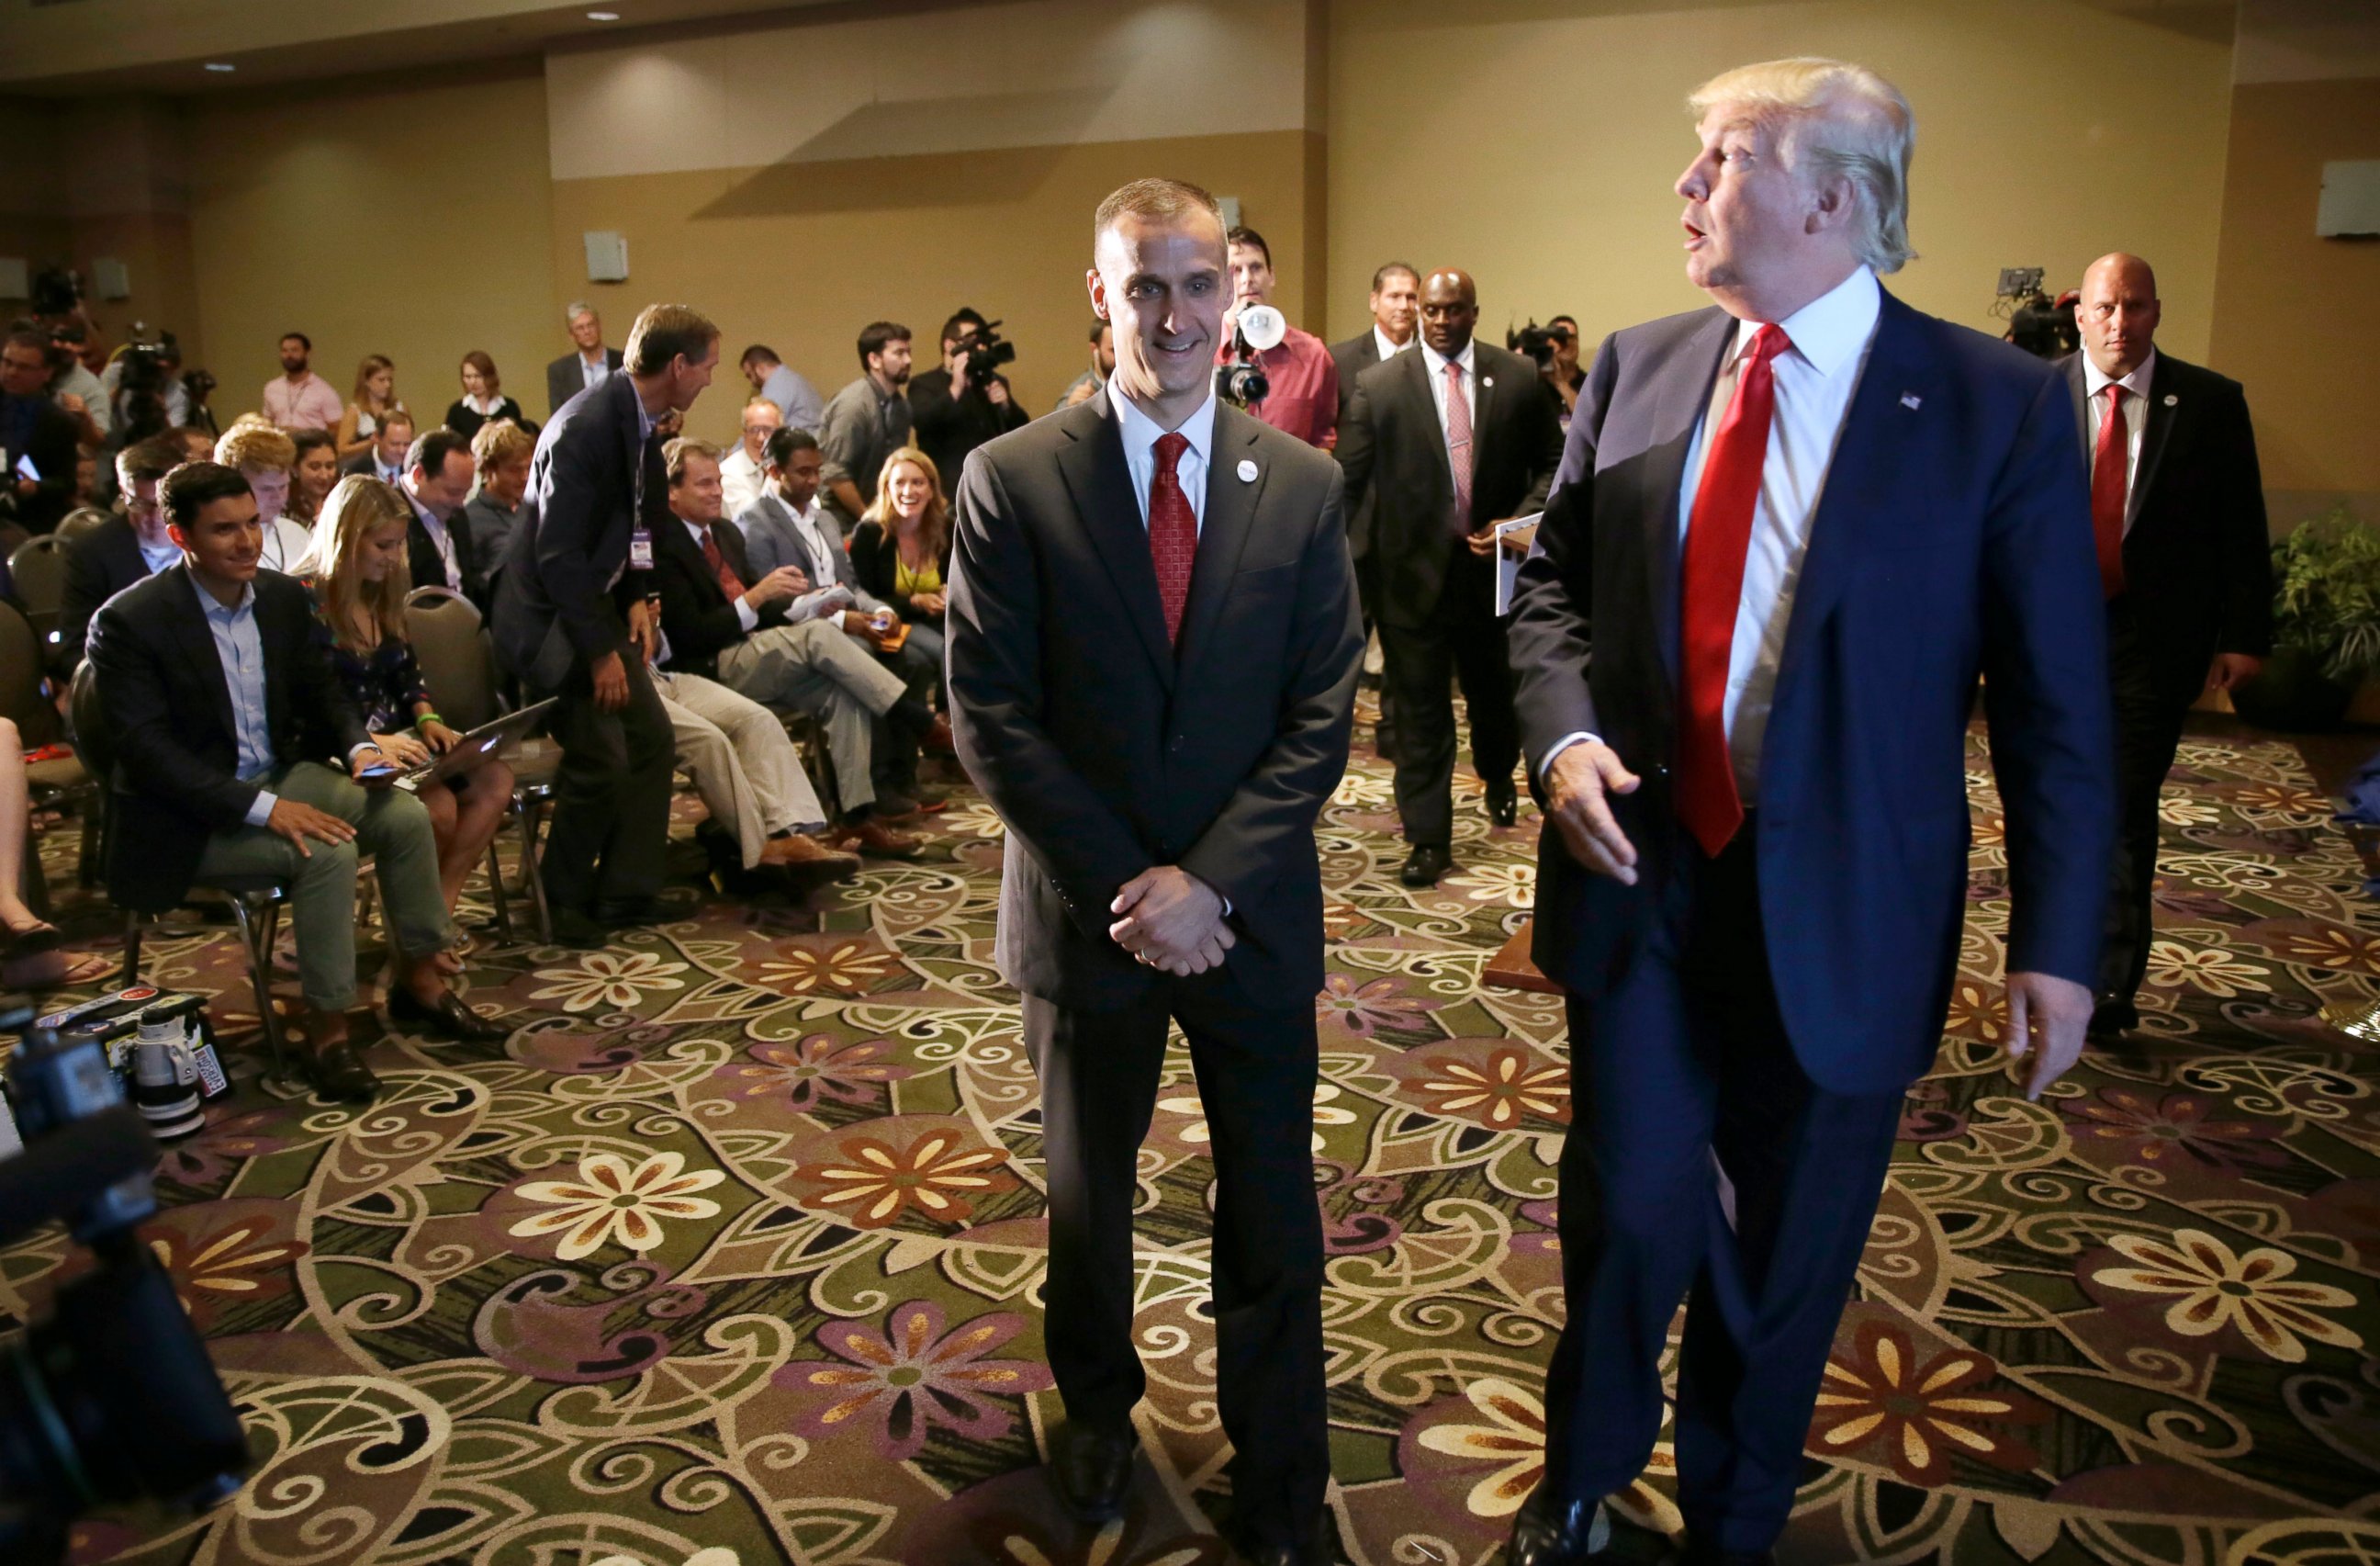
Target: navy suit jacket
column 1953, row 539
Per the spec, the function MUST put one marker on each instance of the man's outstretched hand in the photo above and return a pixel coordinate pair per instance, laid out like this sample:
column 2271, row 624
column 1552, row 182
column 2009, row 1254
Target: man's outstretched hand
column 2047, row 1019
column 1576, row 787
column 1170, row 919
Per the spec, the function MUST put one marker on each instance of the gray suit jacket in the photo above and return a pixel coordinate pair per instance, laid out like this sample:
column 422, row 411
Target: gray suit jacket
column 1106, row 749
column 564, row 378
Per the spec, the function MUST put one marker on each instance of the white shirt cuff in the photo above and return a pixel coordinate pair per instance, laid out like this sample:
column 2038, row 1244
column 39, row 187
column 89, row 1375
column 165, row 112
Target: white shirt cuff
column 747, row 616
column 1545, row 767
column 261, row 811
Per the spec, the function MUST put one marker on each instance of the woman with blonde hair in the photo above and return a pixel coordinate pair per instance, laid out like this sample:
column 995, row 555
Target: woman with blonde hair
column 901, row 550
column 360, row 577
column 375, row 399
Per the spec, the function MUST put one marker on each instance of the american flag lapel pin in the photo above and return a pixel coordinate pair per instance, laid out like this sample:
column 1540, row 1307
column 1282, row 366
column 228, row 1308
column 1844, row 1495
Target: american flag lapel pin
column 1911, row 400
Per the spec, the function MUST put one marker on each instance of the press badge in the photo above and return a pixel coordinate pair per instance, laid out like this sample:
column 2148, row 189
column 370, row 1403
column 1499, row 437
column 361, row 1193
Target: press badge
column 640, row 550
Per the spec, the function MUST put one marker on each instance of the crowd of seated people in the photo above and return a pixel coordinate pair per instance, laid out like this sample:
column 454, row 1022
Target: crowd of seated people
column 288, row 547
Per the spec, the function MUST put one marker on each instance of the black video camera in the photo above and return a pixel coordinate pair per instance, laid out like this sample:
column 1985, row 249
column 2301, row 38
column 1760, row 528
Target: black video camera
column 1538, row 342
column 987, row 351
column 109, row 1395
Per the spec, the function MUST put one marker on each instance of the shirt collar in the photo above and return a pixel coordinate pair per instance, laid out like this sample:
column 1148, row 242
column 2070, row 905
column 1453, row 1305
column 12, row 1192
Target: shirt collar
column 1438, row 362
column 1387, row 349
column 2137, row 383
column 1140, row 430
column 699, row 531
column 1832, row 330
column 212, row 607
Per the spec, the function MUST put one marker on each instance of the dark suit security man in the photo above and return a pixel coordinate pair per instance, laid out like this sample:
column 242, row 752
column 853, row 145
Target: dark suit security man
column 1791, row 532
column 2178, row 516
column 1153, row 645
column 572, row 621
column 1442, row 442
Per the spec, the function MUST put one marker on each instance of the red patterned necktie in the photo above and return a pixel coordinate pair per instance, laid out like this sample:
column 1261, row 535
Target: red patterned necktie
column 1718, row 535
column 1458, row 445
column 713, row 557
column 1172, row 532
column 2108, row 464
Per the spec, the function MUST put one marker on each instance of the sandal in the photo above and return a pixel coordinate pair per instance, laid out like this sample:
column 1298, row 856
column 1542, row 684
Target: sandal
column 29, row 940
column 65, row 970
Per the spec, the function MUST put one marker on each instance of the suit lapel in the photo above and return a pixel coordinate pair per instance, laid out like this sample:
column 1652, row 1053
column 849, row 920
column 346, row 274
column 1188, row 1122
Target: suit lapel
column 1223, row 531
column 1412, row 373
column 1685, row 393
column 198, row 642
column 2165, row 406
column 632, row 430
column 1093, row 467
column 2078, row 387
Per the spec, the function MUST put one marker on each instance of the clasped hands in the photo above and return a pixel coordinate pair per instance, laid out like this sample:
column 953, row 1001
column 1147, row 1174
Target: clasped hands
column 2047, row 1015
column 1169, row 919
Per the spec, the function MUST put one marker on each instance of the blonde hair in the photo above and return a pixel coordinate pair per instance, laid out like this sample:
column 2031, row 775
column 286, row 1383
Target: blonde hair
column 1836, row 119
column 255, row 445
column 661, row 333
column 359, row 510
column 498, row 441
column 374, row 363
column 934, row 527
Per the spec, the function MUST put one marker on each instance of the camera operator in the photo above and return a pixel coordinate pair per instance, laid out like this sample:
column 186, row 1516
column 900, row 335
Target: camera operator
column 38, row 438
column 151, row 367
column 960, row 406
column 72, row 385
column 1301, row 379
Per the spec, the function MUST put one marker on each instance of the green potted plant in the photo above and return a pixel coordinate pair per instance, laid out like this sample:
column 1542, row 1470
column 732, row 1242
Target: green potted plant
column 2326, row 625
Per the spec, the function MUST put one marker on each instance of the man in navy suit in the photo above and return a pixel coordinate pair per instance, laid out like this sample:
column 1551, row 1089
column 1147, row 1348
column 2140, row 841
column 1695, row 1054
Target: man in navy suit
column 1787, row 536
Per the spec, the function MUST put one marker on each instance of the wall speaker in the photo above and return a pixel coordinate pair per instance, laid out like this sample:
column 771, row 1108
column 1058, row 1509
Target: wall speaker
column 607, row 256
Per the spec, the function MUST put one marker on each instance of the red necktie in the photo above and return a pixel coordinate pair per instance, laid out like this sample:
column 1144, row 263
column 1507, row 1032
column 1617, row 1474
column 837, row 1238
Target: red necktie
column 1719, row 533
column 1458, row 445
column 2108, row 482
column 1172, row 532
column 729, row 582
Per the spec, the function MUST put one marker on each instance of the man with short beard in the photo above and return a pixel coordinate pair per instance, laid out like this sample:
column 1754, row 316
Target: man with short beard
column 298, row 398
column 866, row 420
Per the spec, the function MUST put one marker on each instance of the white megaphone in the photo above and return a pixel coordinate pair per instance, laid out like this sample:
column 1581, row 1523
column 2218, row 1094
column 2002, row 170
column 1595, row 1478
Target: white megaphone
column 1263, row 327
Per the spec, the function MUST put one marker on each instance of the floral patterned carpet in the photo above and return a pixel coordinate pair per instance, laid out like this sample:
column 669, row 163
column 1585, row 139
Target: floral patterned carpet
column 735, row 1243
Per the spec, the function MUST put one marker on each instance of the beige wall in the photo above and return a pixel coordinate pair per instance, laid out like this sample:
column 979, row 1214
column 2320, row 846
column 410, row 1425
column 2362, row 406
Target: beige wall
column 378, row 216
column 1545, row 167
column 2286, row 294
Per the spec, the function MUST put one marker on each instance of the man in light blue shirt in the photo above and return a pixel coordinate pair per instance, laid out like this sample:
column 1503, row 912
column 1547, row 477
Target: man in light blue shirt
column 782, row 384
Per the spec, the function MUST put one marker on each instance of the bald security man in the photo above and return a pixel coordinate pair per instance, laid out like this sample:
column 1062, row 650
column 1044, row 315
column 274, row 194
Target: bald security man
column 2177, row 519
column 1444, row 444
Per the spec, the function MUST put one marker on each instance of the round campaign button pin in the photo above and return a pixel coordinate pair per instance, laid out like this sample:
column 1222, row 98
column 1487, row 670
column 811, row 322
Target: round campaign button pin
column 1248, row 471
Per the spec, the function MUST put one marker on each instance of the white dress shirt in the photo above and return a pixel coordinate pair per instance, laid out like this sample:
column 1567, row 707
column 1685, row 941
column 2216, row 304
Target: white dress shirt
column 1814, row 381
column 596, row 371
column 741, row 480
column 2135, row 410
column 439, row 536
column 1140, row 437
column 1387, row 349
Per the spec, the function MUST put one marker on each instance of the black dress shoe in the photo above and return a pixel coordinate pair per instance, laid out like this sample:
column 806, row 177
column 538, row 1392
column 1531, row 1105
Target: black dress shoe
column 1091, row 1469
column 1504, row 805
column 629, row 913
column 448, row 1015
column 576, row 927
column 1550, row 1533
column 2112, row 1017
column 1425, row 866
column 338, row 1072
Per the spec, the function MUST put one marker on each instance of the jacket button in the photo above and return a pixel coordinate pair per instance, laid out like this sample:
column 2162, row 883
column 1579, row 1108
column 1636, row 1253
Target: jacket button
column 1177, row 746
column 1659, row 771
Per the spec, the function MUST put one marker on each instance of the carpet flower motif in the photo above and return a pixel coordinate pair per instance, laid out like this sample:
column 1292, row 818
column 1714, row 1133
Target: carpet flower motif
column 2182, row 809
column 850, row 968
column 1199, row 1134
column 1913, row 1414
column 901, row 1383
column 611, row 1201
column 871, row 1182
column 2330, row 946
column 2156, row 1129
column 1496, row 1093
column 2212, row 1288
column 1510, row 885
column 614, row 980
column 229, row 1265
column 2211, row 969
column 814, row 1070
column 1515, row 1437
column 1374, row 1003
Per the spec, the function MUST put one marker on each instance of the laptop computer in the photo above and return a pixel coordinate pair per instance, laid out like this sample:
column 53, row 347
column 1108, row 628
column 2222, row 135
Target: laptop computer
column 481, row 745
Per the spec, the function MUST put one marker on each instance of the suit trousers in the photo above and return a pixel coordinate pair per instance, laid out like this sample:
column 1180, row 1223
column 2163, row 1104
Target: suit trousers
column 747, row 772
column 1464, row 640
column 819, row 668
column 1256, row 1071
column 610, row 839
column 1682, row 1068
column 392, row 828
column 2149, row 718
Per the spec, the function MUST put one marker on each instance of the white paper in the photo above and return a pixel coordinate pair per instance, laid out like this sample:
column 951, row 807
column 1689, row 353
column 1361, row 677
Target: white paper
column 1508, row 565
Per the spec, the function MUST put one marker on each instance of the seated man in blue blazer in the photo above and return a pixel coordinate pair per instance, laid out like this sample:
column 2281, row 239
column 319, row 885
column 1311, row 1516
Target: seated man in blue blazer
column 1788, row 534
column 221, row 710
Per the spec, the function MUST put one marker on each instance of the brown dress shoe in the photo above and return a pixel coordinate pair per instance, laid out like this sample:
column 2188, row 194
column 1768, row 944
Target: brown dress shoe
column 937, row 740
column 809, row 859
column 873, row 839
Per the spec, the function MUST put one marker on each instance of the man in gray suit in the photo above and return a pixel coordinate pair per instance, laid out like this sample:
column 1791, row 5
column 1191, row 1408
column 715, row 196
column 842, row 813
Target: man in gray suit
column 1153, row 645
